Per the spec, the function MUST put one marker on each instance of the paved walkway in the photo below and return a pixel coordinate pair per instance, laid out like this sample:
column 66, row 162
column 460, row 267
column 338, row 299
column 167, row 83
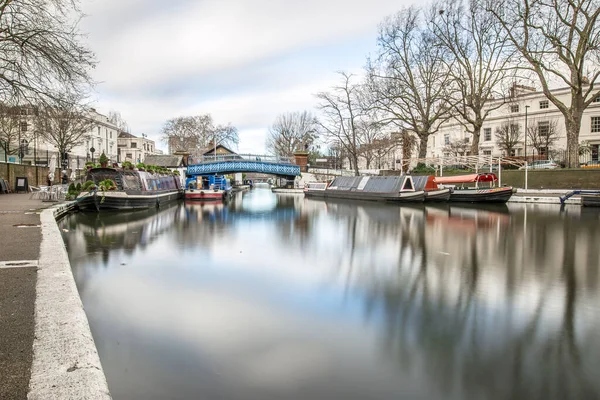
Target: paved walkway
column 20, row 238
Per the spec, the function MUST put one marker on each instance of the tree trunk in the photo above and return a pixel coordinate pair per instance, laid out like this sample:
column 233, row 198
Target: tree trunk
column 573, row 125
column 423, row 145
column 475, row 141
column 355, row 162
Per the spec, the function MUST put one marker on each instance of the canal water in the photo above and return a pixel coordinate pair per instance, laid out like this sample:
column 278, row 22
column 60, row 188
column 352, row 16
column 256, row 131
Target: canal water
column 282, row 297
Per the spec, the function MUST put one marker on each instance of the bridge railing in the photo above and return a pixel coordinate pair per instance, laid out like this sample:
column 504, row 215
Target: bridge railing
column 240, row 157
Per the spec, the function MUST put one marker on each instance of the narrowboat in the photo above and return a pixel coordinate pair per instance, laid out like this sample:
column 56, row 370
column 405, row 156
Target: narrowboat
column 466, row 188
column 207, row 188
column 433, row 193
column 395, row 189
column 124, row 189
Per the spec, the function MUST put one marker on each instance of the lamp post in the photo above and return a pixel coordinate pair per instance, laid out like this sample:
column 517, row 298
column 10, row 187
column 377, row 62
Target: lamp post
column 526, row 108
column 92, row 150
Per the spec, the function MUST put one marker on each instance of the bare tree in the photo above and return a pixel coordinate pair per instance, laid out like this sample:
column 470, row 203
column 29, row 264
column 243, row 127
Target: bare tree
column 560, row 42
column 409, row 79
column 543, row 134
column 41, row 50
column 508, row 136
column 292, row 132
column 342, row 114
column 115, row 118
column 227, row 135
column 65, row 124
column 9, row 129
column 458, row 147
column 380, row 149
column 372, row 139
column 193, row 134
column 478, row 62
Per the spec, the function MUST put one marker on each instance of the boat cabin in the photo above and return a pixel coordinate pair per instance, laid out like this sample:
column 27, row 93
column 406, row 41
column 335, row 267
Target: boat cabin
column 132, row 180
column 207, row 182
column 462, row 180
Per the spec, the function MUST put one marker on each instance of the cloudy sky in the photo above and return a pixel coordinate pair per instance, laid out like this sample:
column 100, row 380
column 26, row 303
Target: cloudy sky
column 243, row 61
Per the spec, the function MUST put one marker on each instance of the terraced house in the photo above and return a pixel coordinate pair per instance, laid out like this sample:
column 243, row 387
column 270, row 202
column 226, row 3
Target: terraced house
column 528, row 123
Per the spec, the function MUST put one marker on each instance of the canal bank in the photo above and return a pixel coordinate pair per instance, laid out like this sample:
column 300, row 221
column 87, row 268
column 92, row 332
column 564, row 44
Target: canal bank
column 46, row 348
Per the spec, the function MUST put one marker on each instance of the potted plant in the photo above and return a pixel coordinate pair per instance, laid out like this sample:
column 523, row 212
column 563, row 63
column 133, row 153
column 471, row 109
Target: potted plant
column 88, row 186
column 127, row 165
column 141, row 166
column 107, row 184
column 89, row 165
column 103, row 160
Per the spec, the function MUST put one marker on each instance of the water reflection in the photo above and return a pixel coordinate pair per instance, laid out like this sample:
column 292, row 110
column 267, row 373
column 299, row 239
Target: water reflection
column 285, row 297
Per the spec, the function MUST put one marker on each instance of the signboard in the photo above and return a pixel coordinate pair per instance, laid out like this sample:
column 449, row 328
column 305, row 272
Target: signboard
column 22, row 185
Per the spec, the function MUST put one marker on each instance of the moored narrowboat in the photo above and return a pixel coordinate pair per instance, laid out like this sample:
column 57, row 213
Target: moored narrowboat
column 124, row 189
column 396, row 189
column 467, row 189
column 207, row 188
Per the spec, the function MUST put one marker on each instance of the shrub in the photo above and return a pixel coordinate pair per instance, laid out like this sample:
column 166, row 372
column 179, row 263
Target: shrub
column 86, row 185
column 103, row 158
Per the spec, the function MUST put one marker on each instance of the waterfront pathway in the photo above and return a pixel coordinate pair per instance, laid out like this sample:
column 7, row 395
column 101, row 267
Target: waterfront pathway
column 20, row 238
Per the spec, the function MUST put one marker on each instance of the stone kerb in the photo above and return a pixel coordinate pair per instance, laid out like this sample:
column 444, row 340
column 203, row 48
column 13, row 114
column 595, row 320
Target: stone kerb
column 65, row 364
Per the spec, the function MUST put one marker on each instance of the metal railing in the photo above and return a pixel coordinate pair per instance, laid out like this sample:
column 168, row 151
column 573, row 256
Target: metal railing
column 240, row 157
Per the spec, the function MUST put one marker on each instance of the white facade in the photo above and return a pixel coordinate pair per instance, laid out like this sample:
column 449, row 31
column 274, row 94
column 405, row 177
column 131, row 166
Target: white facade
column 134, row 149
column 539, row 110
column 102, row 137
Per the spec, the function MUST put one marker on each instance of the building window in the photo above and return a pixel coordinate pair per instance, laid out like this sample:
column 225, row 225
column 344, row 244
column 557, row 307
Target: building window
column 597, row 100
column 544, row 128
column 595, row 124
column 487, row 134
column 23, row 126
column 487, row 152
column 543, row 104
column 128, row 155
column 133, row 145
column 446, row 139
column 514, row 108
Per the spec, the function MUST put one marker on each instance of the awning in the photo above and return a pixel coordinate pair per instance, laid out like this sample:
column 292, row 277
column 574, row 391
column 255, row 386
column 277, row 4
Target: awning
column 471, row 178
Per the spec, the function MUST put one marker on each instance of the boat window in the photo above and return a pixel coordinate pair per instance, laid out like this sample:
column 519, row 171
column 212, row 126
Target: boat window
column 407, row 184
column 131, row 182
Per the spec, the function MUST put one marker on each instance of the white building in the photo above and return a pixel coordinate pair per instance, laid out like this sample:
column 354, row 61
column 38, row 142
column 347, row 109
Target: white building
column 102, row 138
column 526, row 107
column 133, row 148
column 541, row 114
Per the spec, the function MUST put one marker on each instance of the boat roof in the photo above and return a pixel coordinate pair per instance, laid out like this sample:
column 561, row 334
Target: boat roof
column 471, row 178
column 372, row 184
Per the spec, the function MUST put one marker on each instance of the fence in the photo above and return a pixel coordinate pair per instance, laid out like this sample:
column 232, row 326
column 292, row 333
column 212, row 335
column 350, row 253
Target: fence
column 237, row 157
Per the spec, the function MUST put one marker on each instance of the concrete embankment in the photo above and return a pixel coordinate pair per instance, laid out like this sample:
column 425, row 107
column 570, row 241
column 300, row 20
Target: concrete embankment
column 543, row 197
column 65, row 364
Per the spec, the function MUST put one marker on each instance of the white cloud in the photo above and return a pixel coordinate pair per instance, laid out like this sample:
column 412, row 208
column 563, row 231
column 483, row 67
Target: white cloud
column 243, row 61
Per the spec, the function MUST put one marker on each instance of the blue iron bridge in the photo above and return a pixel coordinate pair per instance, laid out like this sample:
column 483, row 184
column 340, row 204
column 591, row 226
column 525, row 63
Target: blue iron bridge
column 229, row 164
